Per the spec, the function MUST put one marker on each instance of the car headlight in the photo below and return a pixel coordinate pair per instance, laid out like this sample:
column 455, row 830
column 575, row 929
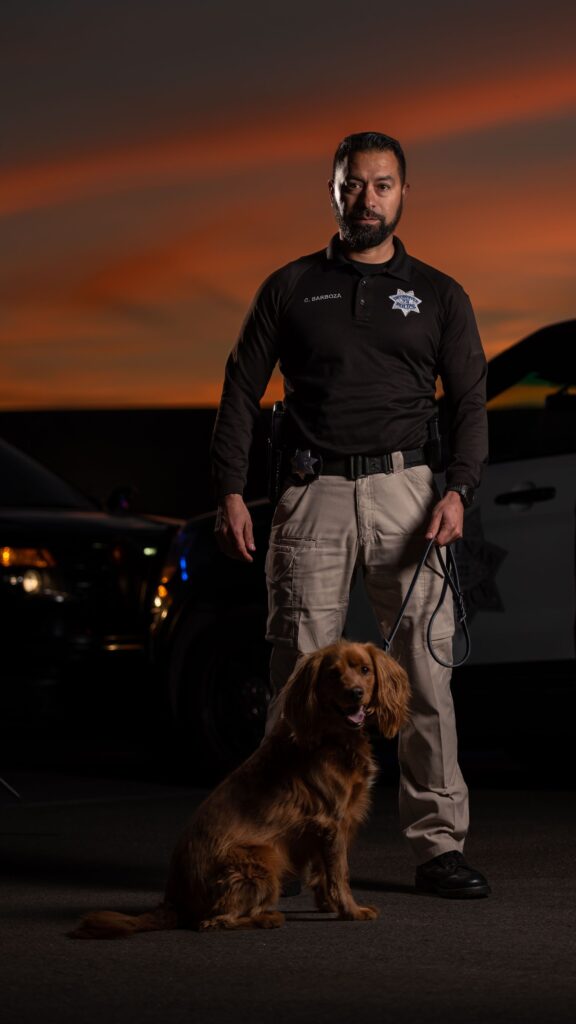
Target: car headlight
column 26, row 569
column 31, row 581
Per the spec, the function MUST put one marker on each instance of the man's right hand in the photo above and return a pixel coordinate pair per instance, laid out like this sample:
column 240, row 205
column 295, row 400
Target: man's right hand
column 234, row 531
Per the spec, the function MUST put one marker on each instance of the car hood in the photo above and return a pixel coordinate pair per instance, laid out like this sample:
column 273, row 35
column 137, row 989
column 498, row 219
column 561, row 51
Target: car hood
column 551, row 352
column 32, row 522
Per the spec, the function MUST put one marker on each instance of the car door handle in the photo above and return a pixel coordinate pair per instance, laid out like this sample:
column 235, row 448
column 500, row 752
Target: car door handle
column 526, row 497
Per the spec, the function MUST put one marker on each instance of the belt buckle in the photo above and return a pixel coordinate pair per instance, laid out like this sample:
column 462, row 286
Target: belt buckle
column 368, row 465
column 355, row 468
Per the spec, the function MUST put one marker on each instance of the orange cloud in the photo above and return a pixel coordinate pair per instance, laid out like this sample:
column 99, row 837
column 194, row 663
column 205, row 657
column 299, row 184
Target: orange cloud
column 154, row 326
column 303, row 133
column 147, row 314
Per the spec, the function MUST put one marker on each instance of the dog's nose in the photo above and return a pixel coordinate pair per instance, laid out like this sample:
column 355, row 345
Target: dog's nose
column 358, row 692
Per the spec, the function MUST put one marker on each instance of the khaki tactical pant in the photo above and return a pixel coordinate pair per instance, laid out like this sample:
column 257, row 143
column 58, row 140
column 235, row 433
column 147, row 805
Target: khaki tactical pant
column 321, row 533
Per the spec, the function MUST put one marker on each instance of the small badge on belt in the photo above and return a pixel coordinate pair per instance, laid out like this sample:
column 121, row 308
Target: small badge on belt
column 302, row 464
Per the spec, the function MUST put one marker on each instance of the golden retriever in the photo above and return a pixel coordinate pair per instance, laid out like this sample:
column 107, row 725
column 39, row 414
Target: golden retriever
column 291, row 808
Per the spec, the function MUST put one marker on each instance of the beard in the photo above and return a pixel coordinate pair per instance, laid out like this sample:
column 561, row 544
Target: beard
column 365, row 236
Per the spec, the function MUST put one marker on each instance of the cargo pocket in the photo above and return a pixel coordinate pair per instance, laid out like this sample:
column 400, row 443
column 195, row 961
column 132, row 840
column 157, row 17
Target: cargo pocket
column 281, row 627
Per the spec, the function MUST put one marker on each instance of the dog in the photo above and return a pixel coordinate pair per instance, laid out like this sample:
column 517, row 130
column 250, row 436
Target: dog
column 292, row 808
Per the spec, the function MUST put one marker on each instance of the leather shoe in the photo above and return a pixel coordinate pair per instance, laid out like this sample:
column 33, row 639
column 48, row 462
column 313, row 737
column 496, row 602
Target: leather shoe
column 449, row 875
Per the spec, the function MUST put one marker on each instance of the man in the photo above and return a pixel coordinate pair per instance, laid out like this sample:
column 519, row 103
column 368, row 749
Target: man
column 361, row 332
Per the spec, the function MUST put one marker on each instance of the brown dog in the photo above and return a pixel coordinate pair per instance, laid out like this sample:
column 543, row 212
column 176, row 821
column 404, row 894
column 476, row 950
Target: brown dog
column 292, row 807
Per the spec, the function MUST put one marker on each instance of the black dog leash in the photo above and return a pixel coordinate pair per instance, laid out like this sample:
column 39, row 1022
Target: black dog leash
column 451, row 582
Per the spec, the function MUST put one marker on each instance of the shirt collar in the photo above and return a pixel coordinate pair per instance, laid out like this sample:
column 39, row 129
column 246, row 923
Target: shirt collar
column 399, row 266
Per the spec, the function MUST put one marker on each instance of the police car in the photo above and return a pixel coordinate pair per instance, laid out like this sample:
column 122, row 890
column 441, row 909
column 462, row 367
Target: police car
column 516, row 564
column 75, row 593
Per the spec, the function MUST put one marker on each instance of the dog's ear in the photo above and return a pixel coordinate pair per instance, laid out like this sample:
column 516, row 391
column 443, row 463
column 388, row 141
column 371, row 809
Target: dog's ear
column 390, row 700
column 300, row 707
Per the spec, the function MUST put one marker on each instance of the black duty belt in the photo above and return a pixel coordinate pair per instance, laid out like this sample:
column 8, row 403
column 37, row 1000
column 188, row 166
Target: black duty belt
column 355, row 466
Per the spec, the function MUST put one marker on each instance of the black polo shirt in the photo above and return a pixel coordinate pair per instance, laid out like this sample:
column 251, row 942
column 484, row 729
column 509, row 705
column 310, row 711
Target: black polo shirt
column 360, row 347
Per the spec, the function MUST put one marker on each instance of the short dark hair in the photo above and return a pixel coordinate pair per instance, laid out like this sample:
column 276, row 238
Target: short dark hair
column 360, row 142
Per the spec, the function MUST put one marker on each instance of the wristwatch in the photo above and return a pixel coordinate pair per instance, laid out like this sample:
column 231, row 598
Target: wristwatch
column 465, row 492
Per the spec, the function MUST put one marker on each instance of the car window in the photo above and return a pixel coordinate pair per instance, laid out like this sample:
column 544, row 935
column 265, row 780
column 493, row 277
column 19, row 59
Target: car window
column 25, row 483
column 532, row 418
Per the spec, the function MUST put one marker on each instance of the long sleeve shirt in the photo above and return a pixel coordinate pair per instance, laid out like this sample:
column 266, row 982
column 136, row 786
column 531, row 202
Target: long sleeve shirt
column 360, row 347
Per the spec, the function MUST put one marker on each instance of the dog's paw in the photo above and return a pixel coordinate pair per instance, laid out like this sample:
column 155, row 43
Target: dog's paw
column 269, row 919
column 368, row 914
column 214, row 924
column 360, row 914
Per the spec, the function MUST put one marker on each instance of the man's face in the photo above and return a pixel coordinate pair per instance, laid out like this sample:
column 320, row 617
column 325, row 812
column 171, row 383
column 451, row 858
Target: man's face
column 366, row 196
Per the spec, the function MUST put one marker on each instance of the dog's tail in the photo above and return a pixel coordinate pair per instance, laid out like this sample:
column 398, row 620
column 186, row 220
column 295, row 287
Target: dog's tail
column 107, row 924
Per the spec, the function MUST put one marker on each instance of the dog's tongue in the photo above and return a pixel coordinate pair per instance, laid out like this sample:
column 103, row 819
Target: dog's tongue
column 358, row 717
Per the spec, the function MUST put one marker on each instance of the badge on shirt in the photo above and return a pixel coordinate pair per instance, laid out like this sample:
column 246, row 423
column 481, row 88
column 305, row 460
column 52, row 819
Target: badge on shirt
column 406, row 302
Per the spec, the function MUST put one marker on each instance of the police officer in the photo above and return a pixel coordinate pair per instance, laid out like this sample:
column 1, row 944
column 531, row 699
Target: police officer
column 361, row 331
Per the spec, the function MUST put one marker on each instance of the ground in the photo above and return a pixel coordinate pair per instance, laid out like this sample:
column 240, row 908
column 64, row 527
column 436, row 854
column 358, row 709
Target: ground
column 79, row 841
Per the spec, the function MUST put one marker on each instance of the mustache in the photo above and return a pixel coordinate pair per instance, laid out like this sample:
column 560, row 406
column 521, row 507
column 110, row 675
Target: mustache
column 358, row 214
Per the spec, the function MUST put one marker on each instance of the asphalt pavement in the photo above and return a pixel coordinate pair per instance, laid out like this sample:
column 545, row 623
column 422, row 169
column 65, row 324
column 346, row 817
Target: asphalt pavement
column 80, row 841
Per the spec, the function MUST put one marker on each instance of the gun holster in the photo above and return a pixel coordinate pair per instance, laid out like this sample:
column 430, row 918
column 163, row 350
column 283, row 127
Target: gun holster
column 433, row 448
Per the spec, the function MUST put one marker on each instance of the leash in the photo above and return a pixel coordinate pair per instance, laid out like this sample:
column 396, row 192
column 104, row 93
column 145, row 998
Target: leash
column 451, row 582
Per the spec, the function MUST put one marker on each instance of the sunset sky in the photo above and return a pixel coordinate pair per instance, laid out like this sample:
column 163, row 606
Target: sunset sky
column 161, row 157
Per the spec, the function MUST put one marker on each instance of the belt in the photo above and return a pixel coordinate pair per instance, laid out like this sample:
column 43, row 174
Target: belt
column 355, row 466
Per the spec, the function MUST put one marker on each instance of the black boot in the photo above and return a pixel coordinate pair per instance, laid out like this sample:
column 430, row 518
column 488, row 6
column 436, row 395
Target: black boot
column 449, row 875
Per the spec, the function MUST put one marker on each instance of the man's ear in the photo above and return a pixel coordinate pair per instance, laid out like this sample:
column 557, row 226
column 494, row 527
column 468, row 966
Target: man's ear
column 331, row 189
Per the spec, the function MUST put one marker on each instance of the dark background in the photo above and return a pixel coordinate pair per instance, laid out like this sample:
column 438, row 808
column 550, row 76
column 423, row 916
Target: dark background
column 163, row 454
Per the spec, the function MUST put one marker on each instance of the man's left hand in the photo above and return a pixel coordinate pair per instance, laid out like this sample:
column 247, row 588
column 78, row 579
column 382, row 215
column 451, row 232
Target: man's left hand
column 447, row 521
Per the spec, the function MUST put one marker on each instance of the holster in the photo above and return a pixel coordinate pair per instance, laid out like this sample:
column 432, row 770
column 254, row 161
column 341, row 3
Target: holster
column 433, row 448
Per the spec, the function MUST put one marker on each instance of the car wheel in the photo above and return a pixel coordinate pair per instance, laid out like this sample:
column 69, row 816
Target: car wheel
column 220, row 689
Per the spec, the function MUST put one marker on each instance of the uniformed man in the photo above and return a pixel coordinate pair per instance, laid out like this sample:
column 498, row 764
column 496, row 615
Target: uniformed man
column 361, row 331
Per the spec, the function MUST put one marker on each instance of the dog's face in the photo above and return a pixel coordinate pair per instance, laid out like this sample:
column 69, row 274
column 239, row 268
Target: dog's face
column 345, row 686
column 336, row 688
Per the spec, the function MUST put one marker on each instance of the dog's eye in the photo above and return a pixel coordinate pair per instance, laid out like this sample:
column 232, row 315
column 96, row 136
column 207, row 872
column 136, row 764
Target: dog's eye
column 365, row 669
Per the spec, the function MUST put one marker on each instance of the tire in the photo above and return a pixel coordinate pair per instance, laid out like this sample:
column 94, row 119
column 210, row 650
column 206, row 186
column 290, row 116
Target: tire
column 220, row 687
